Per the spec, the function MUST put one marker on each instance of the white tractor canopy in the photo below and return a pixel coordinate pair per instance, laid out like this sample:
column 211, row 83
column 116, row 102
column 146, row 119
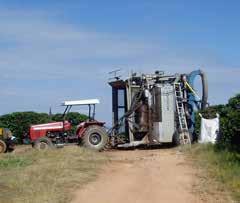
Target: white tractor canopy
column 81, row 102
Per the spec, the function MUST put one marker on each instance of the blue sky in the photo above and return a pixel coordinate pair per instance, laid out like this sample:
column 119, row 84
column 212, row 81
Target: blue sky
column 52, row 51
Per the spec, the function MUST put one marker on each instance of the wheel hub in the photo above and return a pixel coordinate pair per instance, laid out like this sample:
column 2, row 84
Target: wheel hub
column 43, row 145
column 95, row 138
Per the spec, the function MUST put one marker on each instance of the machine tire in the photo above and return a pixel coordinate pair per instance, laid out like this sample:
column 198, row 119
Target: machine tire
column 3, row 146
column 95, row 137
column 43, row 143
column 176, row 139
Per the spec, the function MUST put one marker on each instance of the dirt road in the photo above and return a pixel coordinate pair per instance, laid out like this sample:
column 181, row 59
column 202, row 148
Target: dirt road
column 142, row 176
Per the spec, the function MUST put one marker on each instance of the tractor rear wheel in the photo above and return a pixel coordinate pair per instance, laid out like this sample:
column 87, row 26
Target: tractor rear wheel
column 43, row 143
column 95, row 137
column 3, row 146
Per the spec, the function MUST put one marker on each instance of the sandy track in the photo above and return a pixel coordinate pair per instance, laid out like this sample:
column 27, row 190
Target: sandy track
column 142, row 176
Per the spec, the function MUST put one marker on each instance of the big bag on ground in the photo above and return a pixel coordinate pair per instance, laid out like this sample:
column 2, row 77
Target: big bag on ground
column 209, row 130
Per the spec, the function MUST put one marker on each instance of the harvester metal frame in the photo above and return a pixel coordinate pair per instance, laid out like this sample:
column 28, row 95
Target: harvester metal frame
column 146, row 82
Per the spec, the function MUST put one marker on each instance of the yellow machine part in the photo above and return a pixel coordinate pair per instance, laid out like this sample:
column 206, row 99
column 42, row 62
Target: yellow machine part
column 1, row 131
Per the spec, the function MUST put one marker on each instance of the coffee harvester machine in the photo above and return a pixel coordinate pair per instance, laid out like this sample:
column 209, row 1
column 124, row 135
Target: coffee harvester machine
column 155, row 108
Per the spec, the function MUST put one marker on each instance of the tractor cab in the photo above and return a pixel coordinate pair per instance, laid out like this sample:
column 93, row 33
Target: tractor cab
column 90, row 133
column 91, row 103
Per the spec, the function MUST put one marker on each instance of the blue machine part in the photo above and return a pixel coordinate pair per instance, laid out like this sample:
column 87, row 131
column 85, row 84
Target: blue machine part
column 194, row 102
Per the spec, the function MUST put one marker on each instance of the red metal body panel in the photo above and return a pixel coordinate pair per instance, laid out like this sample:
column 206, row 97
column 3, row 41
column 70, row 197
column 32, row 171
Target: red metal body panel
column 41, row 130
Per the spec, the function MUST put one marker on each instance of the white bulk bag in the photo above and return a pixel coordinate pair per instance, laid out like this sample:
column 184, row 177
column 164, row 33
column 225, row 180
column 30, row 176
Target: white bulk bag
column 209, row 130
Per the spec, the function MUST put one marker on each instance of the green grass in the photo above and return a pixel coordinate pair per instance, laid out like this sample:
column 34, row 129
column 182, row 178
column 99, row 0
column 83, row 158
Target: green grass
column 13, row 162
column 220, row 166
column 50, row 176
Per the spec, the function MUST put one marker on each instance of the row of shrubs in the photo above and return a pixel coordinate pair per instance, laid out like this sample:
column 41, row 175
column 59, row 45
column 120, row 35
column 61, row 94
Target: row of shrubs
column 229, row 137
column 20, row 122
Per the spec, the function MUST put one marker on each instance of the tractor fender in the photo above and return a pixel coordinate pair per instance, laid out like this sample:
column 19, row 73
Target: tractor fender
column 82, row 127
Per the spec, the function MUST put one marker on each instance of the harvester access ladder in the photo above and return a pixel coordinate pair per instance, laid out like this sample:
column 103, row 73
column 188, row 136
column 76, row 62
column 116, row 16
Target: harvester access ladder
column 183, row 128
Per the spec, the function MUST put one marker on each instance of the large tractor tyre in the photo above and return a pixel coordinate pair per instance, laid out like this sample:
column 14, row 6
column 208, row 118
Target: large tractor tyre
column 10, row 145
column 43, row 143
column 95, row 137
column 3, row 146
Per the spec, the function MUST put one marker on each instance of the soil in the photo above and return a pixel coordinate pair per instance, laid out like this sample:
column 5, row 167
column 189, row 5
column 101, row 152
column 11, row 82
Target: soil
column 140, row 176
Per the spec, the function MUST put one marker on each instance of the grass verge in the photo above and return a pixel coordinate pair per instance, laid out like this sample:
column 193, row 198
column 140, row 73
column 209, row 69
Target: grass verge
column 49, row 176
column 221, row 169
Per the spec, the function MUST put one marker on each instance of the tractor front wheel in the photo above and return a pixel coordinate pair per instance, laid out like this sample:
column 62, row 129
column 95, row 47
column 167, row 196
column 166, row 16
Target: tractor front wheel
column 43, row 143
column 3, row 146
column 95, row 137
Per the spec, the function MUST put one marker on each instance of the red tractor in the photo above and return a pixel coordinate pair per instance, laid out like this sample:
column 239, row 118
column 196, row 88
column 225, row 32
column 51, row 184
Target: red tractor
column 90, row 133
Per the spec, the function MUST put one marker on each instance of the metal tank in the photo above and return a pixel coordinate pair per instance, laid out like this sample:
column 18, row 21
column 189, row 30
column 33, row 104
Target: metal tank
column 141, row 118
column 164, row 113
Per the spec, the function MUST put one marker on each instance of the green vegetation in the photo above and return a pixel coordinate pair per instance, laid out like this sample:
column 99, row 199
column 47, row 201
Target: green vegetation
column 48, row 176
column 19, row 122
column 221, row 166
column 222, row 161
column 13, row 162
